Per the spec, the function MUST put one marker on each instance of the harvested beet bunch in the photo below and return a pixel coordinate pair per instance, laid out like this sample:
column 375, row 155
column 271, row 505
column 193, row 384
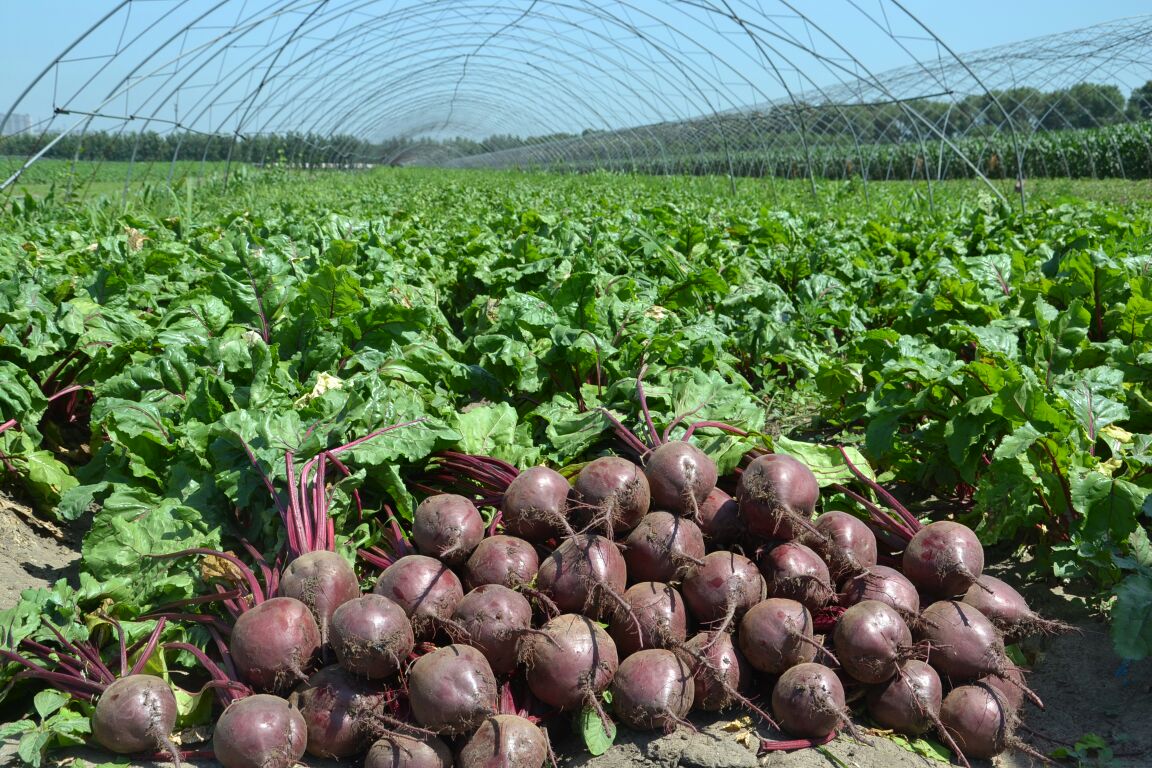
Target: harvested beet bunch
column 636, row 591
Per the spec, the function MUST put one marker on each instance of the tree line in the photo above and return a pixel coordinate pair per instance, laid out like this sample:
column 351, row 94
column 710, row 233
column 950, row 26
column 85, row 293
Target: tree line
column 1023, row 109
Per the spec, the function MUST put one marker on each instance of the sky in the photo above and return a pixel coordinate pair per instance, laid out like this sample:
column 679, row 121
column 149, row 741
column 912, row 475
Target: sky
column 44, row 28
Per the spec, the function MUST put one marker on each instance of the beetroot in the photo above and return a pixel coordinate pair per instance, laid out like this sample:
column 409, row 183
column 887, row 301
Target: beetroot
column 681, row 477
column 978, row 719
column 394, row 750
column 570, row 663
column 1008, row 610
column 585, row 574
column 495, row 618
column 656, row 619
column 808, row 701
column 965, row 645
column 507, row 741
column 720, row 519
column 722, row 588
column 371, row 636
column 452, row 689
column 662, row 546
column 535, row 505
column 719, row 670
column 910, row 701
column 777, row 496
column 135, row 714
column 275, row 644
column 337, row 708
column 424, row 588
column 887, row 585
column 323, row 581
column 943, row 559
column 796, row 572
column 653, row 689
column 448, row 527
column 260, row 731
column 776, row 634
column 505, row 560
column 845, row 543
column 1009, row 683
column 614, row 494
column 871, row 640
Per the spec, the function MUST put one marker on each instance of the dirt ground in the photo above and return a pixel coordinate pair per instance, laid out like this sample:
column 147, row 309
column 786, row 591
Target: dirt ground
column 32, row 553
column 1082, row 683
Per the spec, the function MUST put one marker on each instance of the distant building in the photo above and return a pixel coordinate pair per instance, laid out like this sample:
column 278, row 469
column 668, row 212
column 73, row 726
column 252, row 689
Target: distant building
column 18, row 122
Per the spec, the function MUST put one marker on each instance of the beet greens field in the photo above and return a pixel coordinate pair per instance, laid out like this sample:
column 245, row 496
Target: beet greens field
column 527, row 464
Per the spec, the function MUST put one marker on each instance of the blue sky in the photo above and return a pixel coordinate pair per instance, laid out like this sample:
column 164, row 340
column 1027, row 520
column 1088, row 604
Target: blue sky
column 45, row 27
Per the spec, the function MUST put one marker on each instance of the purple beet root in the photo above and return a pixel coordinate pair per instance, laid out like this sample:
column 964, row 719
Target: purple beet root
column 323, row 581
column 681, row 477
column 260, row 731
column 657, row 619
column 535, row 505
column 452, row 690
column 507, row 741
column 275, row 644
column 424, row 587
column 338, row 709
column 505, row 560
column 613, row 495
column 777, row 496
column 495, row 617
column 371, row 636
column 662, row 546
column 653, row 689
column 447, row 527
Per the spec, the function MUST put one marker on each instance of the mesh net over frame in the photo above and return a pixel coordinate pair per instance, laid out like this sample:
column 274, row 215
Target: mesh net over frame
column 830, row 90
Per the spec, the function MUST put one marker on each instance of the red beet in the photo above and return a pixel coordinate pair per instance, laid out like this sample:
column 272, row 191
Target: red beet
column 796, row 572
column 657, row 619
column 808, row 701
column 135, row 714
column 570, row 666
column 661, row 546
column 720, row 520
column 260, row 731
column 613, row 494
column 776, row 634
column 777, row 496
column 722, row 588
column 337, row 708
column 965, row 645
column 535, row 505
column 495, row 618
column 452, row 689
column 448, row 527
column 424, row 587
column 585, row 574
column 887, row 585
column 943, row 559
column 681, row 477
column 652, row 689
column 505, row 560
column 871, row 640
column 504, row 741
column 323, row 581
column 719, row 670
column 371, row 636
column 275, row 644
column 394, row 750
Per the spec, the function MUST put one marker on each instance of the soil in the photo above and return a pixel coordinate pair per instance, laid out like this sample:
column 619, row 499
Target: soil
column 33, row 553
column 1084, row 685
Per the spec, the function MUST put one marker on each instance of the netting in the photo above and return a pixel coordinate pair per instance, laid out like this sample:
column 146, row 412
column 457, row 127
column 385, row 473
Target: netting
column 848, row 89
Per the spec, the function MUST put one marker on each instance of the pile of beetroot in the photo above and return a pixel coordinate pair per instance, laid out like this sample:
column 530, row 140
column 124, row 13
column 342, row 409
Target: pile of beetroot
column 633, row 592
